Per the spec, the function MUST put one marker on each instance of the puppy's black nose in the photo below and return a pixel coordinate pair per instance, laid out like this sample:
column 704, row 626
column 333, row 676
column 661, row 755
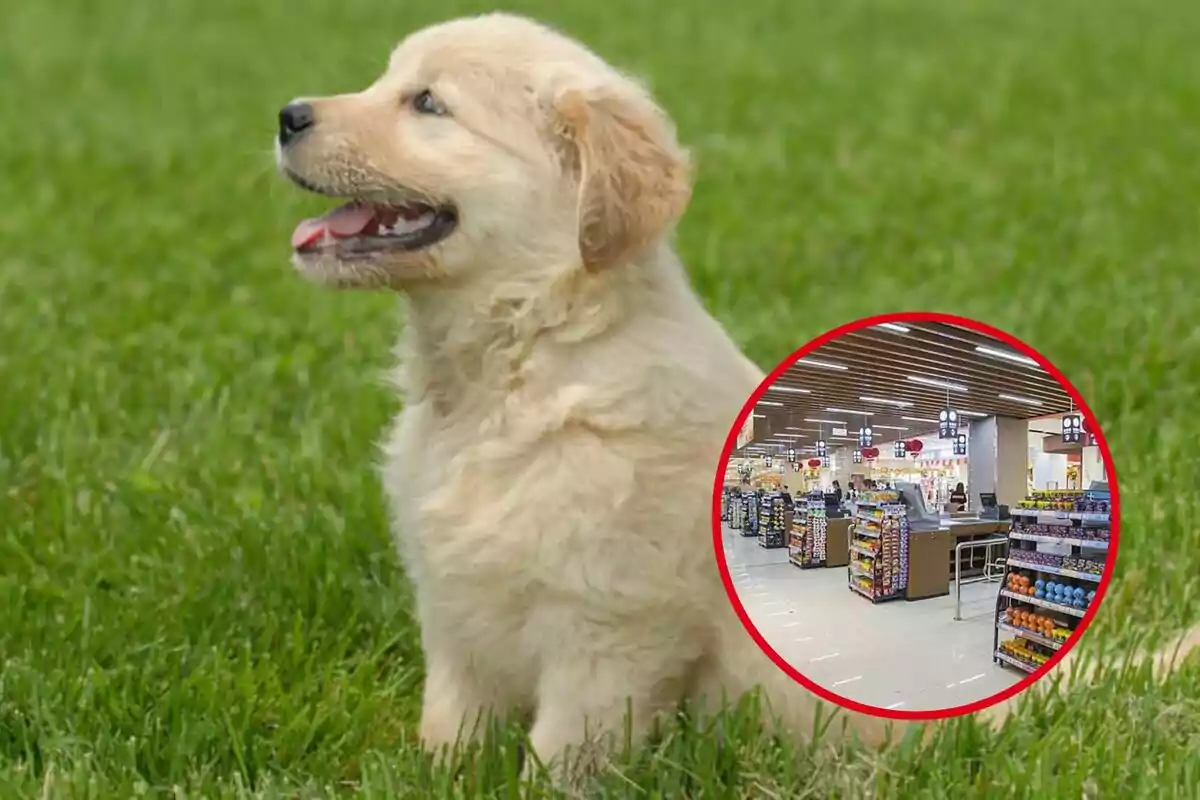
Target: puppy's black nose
column 294, row 119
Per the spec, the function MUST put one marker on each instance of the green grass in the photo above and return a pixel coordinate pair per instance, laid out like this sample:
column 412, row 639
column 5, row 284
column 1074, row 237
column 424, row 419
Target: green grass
column 197, row 592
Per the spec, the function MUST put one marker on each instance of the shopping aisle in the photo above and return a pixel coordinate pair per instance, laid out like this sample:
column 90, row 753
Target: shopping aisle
column 901, row 655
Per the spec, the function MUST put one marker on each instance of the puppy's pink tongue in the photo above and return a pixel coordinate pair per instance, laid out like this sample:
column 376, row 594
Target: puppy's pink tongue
column 348, row 220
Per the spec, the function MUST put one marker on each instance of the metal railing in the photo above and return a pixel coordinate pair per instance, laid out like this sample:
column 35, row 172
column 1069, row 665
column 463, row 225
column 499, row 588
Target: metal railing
column 992, row 570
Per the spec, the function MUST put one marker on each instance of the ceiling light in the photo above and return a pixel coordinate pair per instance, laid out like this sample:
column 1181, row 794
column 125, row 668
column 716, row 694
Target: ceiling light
column 850, row 411
column 759, row 416
column 973, row 414
column 954, row 387
column 791, row 389
column 917, row 419
column 788, row 436
column 1007, row 355
column 884, row 401
column 812, row 362
column 769, row 403
column 825, row 421
column 892, row 326
column 806, row 430
column 1029, row 401
column 890, row 427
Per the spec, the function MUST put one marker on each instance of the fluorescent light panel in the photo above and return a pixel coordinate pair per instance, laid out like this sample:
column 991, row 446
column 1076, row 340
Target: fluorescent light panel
column 825, row 421
column 1029, row 401
column 885, row 402
column 893, row 326
column 1007, row 355
column 889, row 427
column 769, row 403
column 919, row 419
column 954, row 387
column 789, row 389
column 851, row 411
column 812, row 362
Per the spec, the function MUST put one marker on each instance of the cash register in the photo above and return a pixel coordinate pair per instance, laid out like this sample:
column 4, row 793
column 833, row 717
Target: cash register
column 920, row 516
column 989, row 509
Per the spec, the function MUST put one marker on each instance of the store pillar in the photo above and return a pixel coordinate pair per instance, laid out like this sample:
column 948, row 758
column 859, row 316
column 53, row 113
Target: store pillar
column 1092, row 467
column 843, row 466
column 999, row 458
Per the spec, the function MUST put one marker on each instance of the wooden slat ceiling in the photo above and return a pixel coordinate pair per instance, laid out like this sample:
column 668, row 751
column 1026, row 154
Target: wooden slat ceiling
column 880, row 363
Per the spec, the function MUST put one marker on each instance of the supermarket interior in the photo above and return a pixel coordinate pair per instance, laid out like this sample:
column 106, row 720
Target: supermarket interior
column 916, row 516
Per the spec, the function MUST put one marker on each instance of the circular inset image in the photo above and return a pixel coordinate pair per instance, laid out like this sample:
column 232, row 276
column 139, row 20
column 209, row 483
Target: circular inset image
column 917, row 516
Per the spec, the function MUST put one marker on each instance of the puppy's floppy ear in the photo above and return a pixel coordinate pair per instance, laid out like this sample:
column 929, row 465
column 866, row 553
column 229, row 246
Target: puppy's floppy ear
column 634, row 178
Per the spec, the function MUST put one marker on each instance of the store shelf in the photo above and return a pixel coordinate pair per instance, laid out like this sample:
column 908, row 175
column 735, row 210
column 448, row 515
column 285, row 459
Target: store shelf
column 885, row 564
column 1075, row 612
column 1098, row 544
column 1093, row 518
column 863, row 551
column 1025, row 633
column 1069, row 573
column 809, row 533
column 855, row 588
column 876, row 520
column 1021, row 665
column 1031, row 531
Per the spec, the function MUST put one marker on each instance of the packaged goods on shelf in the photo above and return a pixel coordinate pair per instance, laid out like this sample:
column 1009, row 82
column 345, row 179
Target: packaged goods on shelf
column 774, row 522
column 1080, row 501
column 1083, row 563
column 810, row 532
column 879, row 545
column 738, row 507
column 1055, row 566
column 1020, row 654
column 752, row 509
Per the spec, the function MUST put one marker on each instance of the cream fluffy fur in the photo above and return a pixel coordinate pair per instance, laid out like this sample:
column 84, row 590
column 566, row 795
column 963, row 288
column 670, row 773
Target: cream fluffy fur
column 566, row 394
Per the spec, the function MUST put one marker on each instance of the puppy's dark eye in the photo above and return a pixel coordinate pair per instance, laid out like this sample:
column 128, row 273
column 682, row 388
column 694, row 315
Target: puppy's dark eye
column 424, row 102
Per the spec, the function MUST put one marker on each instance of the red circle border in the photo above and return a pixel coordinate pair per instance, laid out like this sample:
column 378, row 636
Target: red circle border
column 1081, row 406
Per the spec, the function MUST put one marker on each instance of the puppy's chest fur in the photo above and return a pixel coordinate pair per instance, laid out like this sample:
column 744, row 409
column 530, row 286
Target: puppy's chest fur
column 517, row 514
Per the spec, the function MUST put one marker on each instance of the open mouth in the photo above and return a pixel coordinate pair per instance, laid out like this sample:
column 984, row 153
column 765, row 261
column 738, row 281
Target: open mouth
column 359, row 229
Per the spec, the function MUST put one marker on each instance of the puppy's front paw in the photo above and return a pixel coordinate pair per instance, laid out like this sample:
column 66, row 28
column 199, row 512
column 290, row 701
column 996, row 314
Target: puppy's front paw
column 571, row 766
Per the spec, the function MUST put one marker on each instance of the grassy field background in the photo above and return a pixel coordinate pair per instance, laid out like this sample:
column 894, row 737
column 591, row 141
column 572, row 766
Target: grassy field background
column 197, row 592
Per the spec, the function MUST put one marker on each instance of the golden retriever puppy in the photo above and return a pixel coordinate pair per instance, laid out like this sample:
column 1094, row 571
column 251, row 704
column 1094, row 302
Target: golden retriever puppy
column 566, row 395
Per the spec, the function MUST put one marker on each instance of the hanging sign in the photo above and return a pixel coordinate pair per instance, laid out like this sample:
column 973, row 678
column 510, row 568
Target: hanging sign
column 746, row 434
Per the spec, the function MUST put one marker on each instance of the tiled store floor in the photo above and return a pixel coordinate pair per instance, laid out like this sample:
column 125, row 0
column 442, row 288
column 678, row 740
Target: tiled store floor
column 910, row 656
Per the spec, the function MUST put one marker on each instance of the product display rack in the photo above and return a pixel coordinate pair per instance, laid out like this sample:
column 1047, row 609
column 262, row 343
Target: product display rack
column 774, row 522
column 878, row 567
column 738, row 509
column 808, row 539
column 752, row 507
column 1057, row 551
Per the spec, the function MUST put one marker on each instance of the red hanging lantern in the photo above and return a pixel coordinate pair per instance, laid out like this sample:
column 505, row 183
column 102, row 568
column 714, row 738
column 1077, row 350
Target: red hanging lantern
column 870, row 453
column 814, row 463
column 914, row 445
column 1088, row 432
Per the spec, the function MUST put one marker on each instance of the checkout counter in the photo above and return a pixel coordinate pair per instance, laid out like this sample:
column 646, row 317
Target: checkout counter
column 932, row 542
column 837, row 542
